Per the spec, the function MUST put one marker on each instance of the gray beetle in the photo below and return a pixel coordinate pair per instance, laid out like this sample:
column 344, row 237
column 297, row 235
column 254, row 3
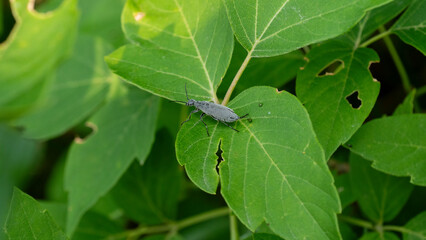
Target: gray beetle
column 216, row 111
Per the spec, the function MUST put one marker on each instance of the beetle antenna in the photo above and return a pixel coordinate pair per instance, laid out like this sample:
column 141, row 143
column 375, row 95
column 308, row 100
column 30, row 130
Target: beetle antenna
column 186, row 93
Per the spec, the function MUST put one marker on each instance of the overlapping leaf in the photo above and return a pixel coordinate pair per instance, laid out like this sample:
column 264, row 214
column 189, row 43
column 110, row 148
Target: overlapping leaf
column 175, row 42
column 380, row 196
column 331, row 98
column 272, row 27
column 74, row 94
column 262, row 236
column 123, row 130
column 411, row 26
column 273, row 169
column 416, row 228
column 375, row 18
column 37, row 38
column 396, row 145
column 93, row 225
column 28, row 220
column 149, row 194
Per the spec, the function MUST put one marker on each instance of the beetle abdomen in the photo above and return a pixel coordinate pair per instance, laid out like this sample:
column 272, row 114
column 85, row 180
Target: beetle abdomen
column 217, row 111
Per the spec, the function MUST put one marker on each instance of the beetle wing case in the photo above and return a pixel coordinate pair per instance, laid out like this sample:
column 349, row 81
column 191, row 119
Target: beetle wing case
column 217, row 111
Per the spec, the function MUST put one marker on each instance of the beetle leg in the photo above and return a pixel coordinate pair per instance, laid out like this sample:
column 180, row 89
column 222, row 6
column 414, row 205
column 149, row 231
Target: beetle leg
column 201, row 118
column 230, row 126
column 243, row 116
column 194, row 111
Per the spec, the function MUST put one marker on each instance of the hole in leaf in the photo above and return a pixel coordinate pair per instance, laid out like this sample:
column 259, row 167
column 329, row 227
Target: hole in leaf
column 84, row 131
column 353, row 100
column 219, row 156
column 332, row 68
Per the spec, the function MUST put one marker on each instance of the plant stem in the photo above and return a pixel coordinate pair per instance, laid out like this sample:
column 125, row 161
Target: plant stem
column 202, row 217
column 421, row 91
column 398, row 63
column 402, row 230
column 172, row 226
column 236, row 78
column 356, row 221
column 375, row 38
column 233, row 227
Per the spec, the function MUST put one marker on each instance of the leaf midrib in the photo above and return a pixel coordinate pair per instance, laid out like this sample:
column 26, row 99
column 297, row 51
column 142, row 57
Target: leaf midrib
column 203, row 64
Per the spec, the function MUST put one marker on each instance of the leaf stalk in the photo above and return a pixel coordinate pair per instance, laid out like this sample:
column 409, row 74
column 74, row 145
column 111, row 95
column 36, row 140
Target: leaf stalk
column 173, row 226
column 233, row 227
column 397, row 60
column 375, row 38
column 236, row 78
column 356, row 222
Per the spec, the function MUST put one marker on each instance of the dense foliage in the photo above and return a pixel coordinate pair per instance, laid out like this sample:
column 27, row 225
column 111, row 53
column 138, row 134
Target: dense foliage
column 333, row 147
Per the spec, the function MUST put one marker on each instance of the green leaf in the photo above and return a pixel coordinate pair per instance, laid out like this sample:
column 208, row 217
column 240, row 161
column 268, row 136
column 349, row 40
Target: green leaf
column 407, row 106
column 377, row 236
column 92, row 226
column 18, row 157
column 55, row 184
column 380, row 196
column 123, row 131
column 262, row 236
column 273, row 72
column 176, row 42
column 274, row 27
column 411, row 26
column 332, row 99
column 416, row 228
column 149, row 193
column 74, row 94
column 37, row 38
column 346, row 231
column 265, row 176
column 396, row 145
column 28, row 220
column 101, row 18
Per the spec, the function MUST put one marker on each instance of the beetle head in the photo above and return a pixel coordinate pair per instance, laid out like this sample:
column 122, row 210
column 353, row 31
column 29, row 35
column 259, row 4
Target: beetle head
column 190, row 102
